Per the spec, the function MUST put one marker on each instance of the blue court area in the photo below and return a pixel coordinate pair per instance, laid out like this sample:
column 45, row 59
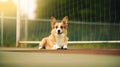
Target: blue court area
column 34, row 59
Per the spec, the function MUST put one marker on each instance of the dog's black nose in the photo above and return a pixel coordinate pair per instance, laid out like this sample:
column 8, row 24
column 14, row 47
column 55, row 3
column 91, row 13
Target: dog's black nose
column 58, row 31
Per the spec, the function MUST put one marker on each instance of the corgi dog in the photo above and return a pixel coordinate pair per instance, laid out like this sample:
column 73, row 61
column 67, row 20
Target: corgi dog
column 58, row 38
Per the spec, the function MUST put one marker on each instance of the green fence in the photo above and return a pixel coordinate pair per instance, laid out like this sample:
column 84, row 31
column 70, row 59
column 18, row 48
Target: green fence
column 77, row 31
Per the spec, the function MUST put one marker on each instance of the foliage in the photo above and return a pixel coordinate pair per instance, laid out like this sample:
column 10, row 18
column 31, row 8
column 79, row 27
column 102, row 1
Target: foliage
column 80, row 10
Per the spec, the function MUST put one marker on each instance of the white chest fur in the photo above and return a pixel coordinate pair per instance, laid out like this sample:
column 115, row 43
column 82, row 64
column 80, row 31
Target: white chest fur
column 60, row 40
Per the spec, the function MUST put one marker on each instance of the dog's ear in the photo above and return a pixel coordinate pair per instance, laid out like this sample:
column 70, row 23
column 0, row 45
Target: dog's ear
column 65, row 20
column 53, row 21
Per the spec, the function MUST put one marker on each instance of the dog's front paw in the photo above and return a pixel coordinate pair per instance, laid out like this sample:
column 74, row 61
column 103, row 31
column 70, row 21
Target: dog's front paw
column 40, row 48
column 64, row 47
column 56, row 47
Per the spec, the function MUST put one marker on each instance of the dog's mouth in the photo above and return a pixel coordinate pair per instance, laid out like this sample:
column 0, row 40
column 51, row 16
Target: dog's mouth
column 59, row 33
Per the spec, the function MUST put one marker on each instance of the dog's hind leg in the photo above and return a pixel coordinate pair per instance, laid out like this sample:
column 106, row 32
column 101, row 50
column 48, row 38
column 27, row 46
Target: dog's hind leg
column 42, row 43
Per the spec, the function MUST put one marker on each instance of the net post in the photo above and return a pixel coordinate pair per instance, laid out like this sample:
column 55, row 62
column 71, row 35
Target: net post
column 2, row 16
column 18, row 24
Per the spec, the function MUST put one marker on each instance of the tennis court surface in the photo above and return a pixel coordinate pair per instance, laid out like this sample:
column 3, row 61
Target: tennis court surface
column 20, row 57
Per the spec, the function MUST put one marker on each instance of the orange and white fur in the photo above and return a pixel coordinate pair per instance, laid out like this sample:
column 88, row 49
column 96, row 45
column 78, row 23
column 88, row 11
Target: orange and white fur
column 58, row 38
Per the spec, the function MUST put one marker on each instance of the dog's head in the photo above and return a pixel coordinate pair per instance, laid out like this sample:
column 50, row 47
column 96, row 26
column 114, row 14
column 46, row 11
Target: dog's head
column 59, row 27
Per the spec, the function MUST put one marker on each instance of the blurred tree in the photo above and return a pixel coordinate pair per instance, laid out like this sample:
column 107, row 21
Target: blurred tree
column 84, row 10
column 8, row 7
column 115, row 11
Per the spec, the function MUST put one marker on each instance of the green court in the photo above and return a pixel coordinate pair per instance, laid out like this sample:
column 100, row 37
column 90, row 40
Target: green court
column 34, row 59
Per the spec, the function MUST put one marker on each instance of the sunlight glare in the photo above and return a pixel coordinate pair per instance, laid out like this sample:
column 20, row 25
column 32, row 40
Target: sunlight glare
column 27, row 7
column 3, row 0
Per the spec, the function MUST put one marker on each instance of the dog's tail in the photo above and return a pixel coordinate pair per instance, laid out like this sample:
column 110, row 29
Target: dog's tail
column 42, row 44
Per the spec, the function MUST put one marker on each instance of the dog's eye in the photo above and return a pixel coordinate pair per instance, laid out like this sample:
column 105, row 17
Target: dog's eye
column 56, row 26
column 61, row 27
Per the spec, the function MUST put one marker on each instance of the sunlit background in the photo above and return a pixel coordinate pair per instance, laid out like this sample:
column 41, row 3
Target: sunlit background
column 27, row 7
